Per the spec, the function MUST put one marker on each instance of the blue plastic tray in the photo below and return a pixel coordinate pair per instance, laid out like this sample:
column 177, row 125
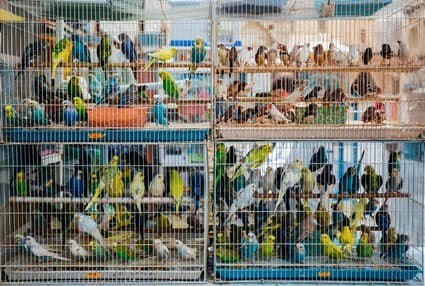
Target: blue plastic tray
column 104, row 135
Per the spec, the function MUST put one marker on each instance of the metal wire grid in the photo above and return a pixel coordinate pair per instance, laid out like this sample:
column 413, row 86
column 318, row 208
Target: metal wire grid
column 50, row 184
column 238, row 257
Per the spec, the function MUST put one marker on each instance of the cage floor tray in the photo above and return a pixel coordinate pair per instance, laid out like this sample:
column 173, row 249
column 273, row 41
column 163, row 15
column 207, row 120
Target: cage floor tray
column 320, row 268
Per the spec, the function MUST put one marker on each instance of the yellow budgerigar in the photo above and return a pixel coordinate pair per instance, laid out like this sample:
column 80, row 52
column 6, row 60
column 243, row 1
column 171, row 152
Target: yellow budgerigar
column 61, row 53
column 116, row 188
column 330, row 248
column 357, row 213
column 162, row 55
column 176, row 187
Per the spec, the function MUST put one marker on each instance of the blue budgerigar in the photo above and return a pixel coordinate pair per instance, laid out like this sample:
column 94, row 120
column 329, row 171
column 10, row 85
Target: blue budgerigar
column 249, row 246
column 160, row 113
column 299, row 253
column 112, row 87
column 383, row 219
column 33, row 53
column 80, row 51
column 70, row 114
column 197, row 55
column 95, row 88
column 197, row 186
column 127, row 47
column 38, row 115
column 88, row 225
column 76, row 184
column 397, row 251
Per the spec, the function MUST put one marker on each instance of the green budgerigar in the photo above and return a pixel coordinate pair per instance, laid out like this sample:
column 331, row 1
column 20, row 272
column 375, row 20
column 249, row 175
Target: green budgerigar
column 220, row 161
column 61, row 53
column 104, row 51
column 228, row 255
column 98, row 250
column 74, row 88
column 123, row 252
column 169, row 84
column 106, row 178
column 198, row 54
column 307, row 182
column 80, row 106
column 364, row 248
column 20, row 186
column 13, row 118
column 253, row 159
column 371, row 181
column 267, row 247
column 176, row 187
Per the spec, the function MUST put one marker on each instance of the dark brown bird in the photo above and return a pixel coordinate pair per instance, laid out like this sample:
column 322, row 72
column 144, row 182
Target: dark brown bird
column 233, row 59
column 319, row 55
column 336, row 96
column 386, row 53
column 367, row 56
column 310, row 113
column 234, row 89
column 261, row 56
column 374, row 114
column 313, row 94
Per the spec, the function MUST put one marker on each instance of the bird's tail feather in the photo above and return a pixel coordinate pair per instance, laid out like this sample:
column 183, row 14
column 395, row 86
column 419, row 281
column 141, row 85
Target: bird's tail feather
column 149, row 64
column 96, row 194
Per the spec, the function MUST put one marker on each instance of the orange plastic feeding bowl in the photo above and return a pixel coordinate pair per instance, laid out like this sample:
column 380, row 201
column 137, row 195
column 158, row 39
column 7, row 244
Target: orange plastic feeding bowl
column 111, row 116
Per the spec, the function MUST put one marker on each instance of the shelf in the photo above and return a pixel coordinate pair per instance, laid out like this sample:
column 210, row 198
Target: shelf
column 283, row 100
column 173, row 132
column 126, row 65
column 43, row 200
column 361, row 131
column 361, row 68
column 337, row 196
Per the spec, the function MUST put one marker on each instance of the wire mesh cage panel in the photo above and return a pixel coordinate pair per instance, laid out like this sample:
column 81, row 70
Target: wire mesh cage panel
column 312, row 210
column 67, row 70
column 104, row 213
column 295, row 74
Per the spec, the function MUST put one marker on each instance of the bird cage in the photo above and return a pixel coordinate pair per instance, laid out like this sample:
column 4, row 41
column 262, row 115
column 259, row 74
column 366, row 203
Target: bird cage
column 116, row 212
column 319, row 211
column 291, row 73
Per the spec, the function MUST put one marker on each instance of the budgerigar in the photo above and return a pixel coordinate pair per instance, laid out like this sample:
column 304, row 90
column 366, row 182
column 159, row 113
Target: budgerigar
column 169, row 84
column 60, row 54
column 357, row 213
column 77, row 250
column 128, row 48
column 306, row 225
column 161, row 250
column 80, row 106
column 20, row 186
column 159, row 111
column 95, row 88
column 347, row 238
column 394, row 182
column 106, row 178
column 104, row 51
column 364, row 248
column 38, row 116
column 156, row 186
column 197, row 55
column 74, row 88
column 39, row 251
column 70, row 114
column 243, row 199
column 291, row 177
column 267, row 246
column 13, row 119
column 76, row 184
column 318, row 159
column 33, row 53
column 88, row 225
column 176, row 187
column 299, row 253
column 80, row 51
column 330, row 248
column 185, row 251
column 394, row 161
column 162, row 55
column 371, row 181
column 115, row 188
column 122, row 216
column 123, row 252
column 307, row 182
column 137, row 189
column 255, row 158
column 220, row 161
column 249, row 246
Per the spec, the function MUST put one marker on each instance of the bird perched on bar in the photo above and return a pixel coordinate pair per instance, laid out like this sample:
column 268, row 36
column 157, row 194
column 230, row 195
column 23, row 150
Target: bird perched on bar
column 88, row 225
column 176, row 187
column 394, row 160
column 386, row 53
column 374, row 114
column 80, row 106
column 330, row 249
column 249, row 246
column 394, row 182
column 303, row 55
column 39, row 251
column 223, row 57
column 294, row 54
column 20, row 185
column 261, row 56
column 80, row 51
column 403, row 52
column 319, row 55
column 267, row 246
column 185, row 251
column 70, row 114
column 364, row 248
column 104, row 51
column 353, row 55
column 161, row 250
column 38, row 116
column 156, row 186
column 160, row 114
column 233, row 59
column 367, row 56
column 128, row 49
column 326, row 178
column 383, row 219
column 284, row 54
column 162, row 55
column 307, row 182
column 371, row 181
column 34, row 52
column 137, row 189
column 197, row 55
column 169, row 84
column 291, row 177
column 318, row 159
column 77, row 250
column 331, row 54
column 60, row 54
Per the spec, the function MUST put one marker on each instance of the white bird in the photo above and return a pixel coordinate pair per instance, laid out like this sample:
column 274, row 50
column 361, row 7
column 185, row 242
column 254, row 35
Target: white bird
column 353, row 55
column 403, row 52
column 277, row 116
column 137, row 189
column 88, row 225
column 185, row 251
column 243, row 199
column 157, row 187
column 331, row 54
column 161, row 250
column 39, row 251
column 246, row 57
column 291, row 177
column 267, row 181
column 77, row 250
column 303, row 56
